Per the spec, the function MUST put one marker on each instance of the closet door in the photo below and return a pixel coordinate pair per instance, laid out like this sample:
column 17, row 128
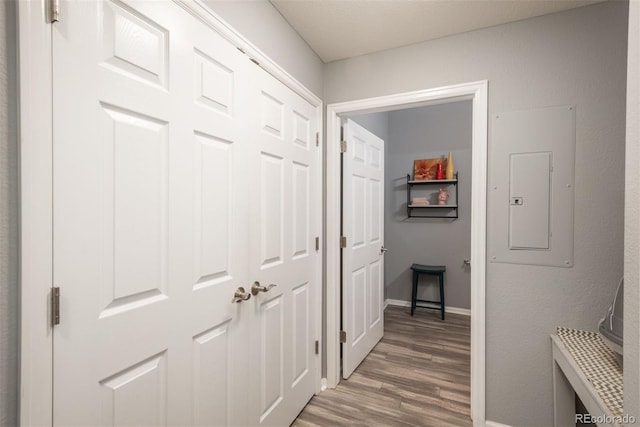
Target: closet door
column 286, row 200
column 150, row 217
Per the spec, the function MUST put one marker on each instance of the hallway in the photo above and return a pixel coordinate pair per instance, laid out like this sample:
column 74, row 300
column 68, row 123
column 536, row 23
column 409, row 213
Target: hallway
column 417, row 375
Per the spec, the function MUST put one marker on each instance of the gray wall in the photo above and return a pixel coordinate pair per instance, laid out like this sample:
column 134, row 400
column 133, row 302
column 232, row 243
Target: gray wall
column 574, row 57
column 376, row 123
column 425, row 133
column 261, row 23
column 632, row 222
column 8, row 218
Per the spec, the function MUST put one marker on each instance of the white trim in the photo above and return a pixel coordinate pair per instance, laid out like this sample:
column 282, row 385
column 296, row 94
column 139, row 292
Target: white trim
column 447, row 308
column 495, row 424
column 36, row 213
column 478, row 92
column 36, row 197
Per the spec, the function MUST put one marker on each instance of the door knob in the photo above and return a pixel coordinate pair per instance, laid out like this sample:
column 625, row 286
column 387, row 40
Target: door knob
column 467, row 262
column 383, row 250
column 240, row 295
column 257, row 288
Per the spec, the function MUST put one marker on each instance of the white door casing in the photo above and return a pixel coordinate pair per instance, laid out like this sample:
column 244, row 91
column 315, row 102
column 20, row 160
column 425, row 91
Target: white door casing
column 152, row 206
column 478, row 93
column 285, row 218
column 363, row 258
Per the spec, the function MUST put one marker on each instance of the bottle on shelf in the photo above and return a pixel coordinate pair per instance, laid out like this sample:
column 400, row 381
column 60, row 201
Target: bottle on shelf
column 449, row 170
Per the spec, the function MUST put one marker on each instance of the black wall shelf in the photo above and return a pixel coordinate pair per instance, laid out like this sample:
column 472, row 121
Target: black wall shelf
column 435, row 210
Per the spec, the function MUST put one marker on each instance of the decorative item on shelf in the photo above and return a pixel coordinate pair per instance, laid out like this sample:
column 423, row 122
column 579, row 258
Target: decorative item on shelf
column 419, row 201
column 449, row 170
column 425, row 169
column 439, row 173
column 443, row 196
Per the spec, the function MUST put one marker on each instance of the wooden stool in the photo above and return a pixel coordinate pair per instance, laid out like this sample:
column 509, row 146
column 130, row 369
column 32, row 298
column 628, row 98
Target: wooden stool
column 434, row 270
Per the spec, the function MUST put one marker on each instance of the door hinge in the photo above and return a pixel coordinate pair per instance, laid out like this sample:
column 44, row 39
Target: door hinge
column 343, row 242
column 317, row 347
column 54, row 11
column 317, row 139
column 343, row 336
column 317, row 244
column 343, row 146
column 55, row 306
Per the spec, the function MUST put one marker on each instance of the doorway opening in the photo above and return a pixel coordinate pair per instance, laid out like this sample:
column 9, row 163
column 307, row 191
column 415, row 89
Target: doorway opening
column 476, row 95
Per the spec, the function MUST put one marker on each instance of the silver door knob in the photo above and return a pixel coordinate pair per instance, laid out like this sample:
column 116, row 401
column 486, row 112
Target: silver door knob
column 467, row 262
column 257, row 288
column 240, row 295
column 383, row 250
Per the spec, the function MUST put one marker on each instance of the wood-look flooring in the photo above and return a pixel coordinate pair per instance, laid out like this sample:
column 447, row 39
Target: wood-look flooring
column 417, row 375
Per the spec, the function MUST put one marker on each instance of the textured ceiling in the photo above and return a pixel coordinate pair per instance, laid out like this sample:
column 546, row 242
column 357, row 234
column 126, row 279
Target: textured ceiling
column 338, row 29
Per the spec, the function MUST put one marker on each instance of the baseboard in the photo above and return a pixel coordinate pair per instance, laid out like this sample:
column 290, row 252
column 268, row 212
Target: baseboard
column 397, row 303
column 447, row 309
column 495, row 424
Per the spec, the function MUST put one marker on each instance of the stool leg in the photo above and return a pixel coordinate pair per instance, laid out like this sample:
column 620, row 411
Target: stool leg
column 441, row 279
column 414, row 291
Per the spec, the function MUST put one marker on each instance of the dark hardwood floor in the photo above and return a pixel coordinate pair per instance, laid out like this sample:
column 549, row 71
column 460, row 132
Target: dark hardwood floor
column 417, row 375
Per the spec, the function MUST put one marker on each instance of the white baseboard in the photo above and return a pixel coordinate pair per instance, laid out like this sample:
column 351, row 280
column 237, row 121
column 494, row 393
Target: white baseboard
column 495, row 424
column 447, row 309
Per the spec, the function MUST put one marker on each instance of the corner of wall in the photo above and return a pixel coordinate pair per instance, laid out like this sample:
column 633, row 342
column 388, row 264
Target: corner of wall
column 632, row 221
column 9, row 285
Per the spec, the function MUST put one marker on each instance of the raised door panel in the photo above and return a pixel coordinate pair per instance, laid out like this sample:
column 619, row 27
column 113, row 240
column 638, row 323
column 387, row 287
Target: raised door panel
column 376, row 216
column 212, row 374
column 271, row 356
column 375, row 293
column 272, row 210
column 359, row 213
column 134, row 44
column 301, row 333
column 301, row 210
column 214, row 186
column 214, row 83
column 358, row 308
column 137, row 395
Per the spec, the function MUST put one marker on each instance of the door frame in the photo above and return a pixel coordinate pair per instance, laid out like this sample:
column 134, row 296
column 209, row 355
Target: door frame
column 36, row 194
column 477, row 92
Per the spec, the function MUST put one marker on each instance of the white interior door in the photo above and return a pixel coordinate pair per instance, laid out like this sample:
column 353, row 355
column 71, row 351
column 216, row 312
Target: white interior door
column 150, row 218
column 363, row 257
column 285, row 219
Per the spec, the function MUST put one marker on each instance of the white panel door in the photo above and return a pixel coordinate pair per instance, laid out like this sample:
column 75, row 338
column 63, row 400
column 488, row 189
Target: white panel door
column 362, row 259
column 150, row 218
column 285, row 197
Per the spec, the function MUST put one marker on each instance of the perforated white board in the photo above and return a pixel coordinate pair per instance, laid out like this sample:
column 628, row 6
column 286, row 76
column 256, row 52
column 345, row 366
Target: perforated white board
column 535, row 227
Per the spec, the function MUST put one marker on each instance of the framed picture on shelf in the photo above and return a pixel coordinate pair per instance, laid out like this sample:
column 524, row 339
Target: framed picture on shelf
column 425, row 169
